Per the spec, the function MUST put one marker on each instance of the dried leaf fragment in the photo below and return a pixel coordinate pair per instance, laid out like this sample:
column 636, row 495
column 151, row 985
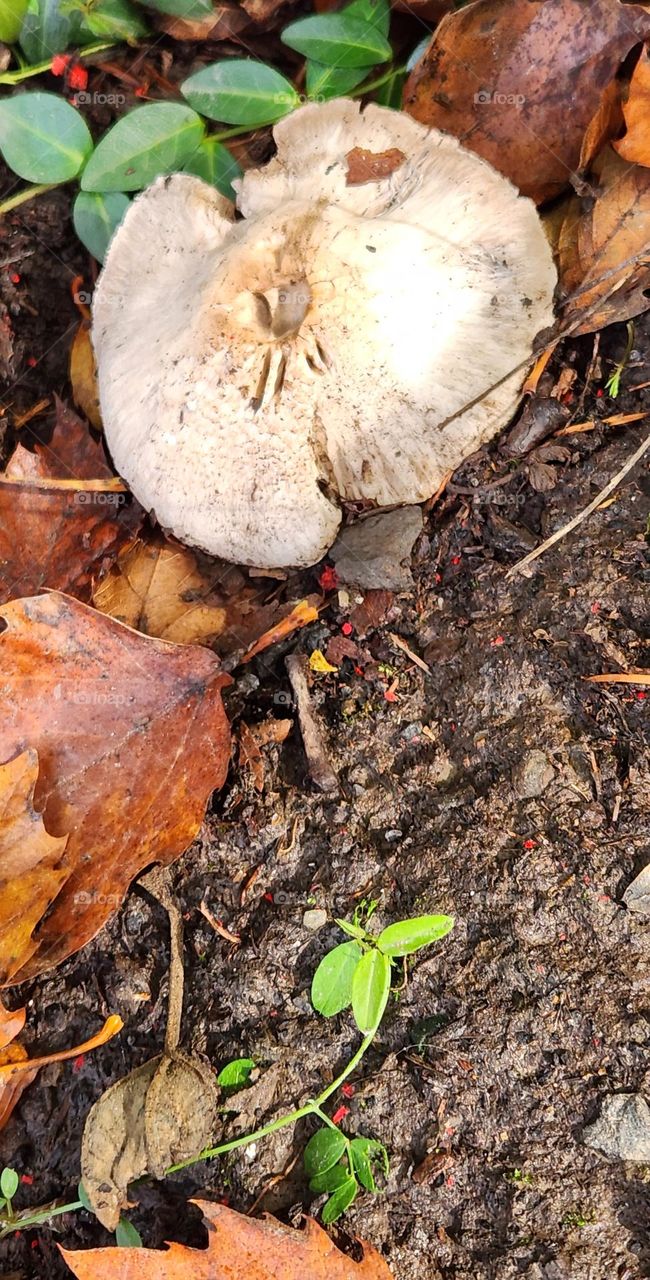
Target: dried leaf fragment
column 521, row 81
column 635, row 145
column 132, row 739
column 237, row 1247
column 372, row 166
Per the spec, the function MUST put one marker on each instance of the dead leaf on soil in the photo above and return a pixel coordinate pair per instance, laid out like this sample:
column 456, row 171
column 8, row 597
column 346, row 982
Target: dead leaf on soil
column 174, row 593
column 237, row 1247
column 83, row 376
column 132, row 739
column 635, row 144
column 17, row 1070
column 521, row 81
column 62, row 522
column 226, row 21
column 163, row 1112
column 604, row 249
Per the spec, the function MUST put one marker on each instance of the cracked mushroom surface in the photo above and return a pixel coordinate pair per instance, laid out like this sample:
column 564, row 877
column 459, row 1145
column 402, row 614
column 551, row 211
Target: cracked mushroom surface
column 350, row 338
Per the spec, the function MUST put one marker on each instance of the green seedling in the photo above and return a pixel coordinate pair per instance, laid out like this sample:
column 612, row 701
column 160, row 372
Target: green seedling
column 613, row 384
column 12, row 1219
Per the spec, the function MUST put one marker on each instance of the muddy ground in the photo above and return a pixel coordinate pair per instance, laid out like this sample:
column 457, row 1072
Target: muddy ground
column 507, row 1036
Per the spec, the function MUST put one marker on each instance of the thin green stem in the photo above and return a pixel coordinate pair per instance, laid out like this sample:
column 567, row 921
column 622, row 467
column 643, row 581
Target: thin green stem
column 37, row 68
column 376, row 84
column 292, row 1117
column 27, row 193
column 23, row 1221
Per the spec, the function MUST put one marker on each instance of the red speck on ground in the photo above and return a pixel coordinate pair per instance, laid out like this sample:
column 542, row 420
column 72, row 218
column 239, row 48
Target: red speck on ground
column 347, row 629
column 32, row 362
column 347, row 1090
column 78, row 78
column 641, row 695
column 390, row 695
column 27, row 1179
column 268, row 897
column 498, row 640
column 530, row 844
column 78, row 1062
column 595, row 608
column 340, row 1114
column 59, row 63
column 455, row 560
column 328, row 579
column 600, row 393
column 15, row 279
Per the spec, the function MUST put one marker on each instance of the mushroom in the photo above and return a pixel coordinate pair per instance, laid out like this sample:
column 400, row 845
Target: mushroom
column 350, row 339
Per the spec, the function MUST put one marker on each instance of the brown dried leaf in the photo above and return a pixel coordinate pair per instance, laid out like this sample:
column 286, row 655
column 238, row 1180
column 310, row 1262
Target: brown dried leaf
column 635, row 145
column 604, row 256
column 225, row 22
column 61, row 537
column 250, row 756
column 271, row 730
column 83, row 375
column 372, row 166
column 520, row 81
column 169, row 591
column 163, row 1112
column 239, row 1248
column 132, row 739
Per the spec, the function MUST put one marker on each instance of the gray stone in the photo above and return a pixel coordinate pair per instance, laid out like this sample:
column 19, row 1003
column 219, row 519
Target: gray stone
column 314, row 919
column 622, row 1129
column 375, row 553
column 532, row 774
column 637, row 894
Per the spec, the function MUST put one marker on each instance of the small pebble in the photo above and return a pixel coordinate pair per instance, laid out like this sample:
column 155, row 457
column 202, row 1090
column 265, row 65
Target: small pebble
column 314, row 919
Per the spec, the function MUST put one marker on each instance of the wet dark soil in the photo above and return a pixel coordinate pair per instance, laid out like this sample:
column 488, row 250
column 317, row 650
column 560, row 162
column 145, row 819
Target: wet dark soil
column 499, row 786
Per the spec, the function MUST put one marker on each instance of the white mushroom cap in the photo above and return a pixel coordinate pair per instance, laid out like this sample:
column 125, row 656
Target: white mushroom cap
column 255, row 372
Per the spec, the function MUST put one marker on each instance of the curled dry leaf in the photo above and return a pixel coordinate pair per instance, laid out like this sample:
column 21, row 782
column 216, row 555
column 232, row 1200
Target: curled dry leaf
column 163, row 1112
column 635, row 145
column 131, row 737
column 17, row 1071
column 169, row 591
column 226, row 21
column 83, row 375
column 603, row 249
column 61, row 537
column 237, row 1247
column 521, row 81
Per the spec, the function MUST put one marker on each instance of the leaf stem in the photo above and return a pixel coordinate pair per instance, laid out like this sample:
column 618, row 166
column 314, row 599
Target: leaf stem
column 37, row 68
column 292, row 1117
column 27, row 193
column 21, row 1222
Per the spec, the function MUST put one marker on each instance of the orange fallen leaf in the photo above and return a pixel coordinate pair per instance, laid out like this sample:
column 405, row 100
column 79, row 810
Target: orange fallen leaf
column 604, row 251
column 635, row 144
column 63, row 514
column 622, row 677
column 301, row 614
column 172, row 592
column 371, row 166
column 17, row 1071
column 521, row 81
column 132, row 739
column 239, row 1248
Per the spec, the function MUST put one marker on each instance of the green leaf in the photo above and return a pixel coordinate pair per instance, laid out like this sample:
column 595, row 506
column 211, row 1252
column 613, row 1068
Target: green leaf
column 389, row 94
column 407, row 936
column 47, row 29
column 370, row 988
column 182, row 8
column 96, row 217
column 9, row 1183
column 323, row 1151
column 354, row 930
column 330, row 1180
column 375, row 12
column 214, row 163
column 331, row 988
column 338, row 39
column 240, row 91
column 126, row 1235
column 157, row 138
column 366, row 1152
column 324, row 82
column 115, row 19
column 12, row 13
column 43, row 138
column 82, row 1195
column 235, row 1074
column 340, row 1200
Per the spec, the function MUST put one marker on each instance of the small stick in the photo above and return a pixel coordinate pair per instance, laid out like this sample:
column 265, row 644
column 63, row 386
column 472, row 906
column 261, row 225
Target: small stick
column 157, row 883
column 319, row 765
column 582, row 515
